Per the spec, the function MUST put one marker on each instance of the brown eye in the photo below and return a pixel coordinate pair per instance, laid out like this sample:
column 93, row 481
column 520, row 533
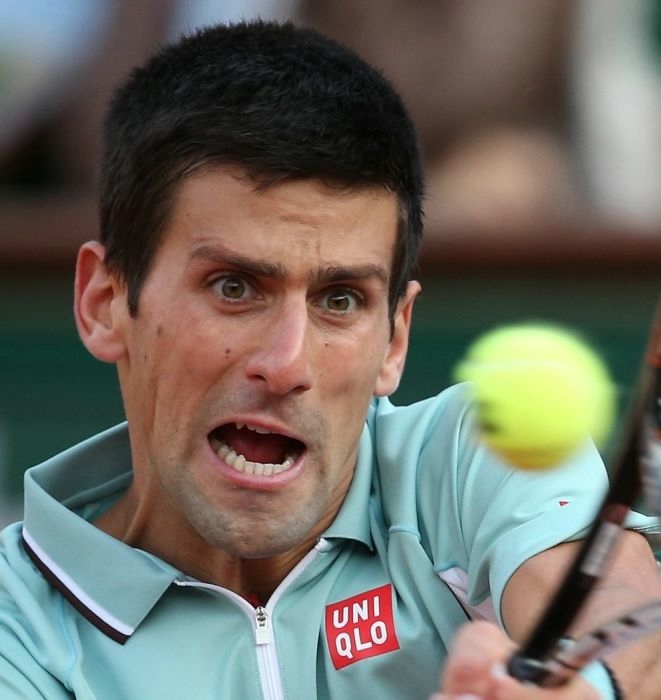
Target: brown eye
column 232, row 288
column 342, row 302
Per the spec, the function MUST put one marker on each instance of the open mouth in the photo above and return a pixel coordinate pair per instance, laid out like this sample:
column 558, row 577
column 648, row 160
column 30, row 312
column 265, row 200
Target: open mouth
column 253, row 450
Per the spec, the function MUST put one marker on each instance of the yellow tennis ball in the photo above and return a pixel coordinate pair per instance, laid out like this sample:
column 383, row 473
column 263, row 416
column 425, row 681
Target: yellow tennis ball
column 540, row 391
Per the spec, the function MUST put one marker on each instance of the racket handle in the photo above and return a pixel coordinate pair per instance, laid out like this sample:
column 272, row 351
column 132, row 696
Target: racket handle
column 532, row 671
column 573, row 655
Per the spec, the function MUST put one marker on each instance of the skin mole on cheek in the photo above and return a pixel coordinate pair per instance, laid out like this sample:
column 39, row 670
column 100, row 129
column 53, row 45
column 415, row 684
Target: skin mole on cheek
column 159, row 330
column 228, row 352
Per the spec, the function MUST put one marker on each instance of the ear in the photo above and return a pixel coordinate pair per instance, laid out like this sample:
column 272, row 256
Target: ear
column 99, row 304
column 393, row 363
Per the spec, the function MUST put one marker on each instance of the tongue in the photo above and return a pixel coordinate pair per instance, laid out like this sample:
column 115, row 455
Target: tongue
column 256, row 447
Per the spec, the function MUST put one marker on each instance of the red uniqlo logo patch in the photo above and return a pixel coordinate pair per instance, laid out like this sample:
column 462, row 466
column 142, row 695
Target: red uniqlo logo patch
column 361, row 626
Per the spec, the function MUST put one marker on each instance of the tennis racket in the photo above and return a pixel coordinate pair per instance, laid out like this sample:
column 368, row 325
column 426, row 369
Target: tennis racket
column 549, row 657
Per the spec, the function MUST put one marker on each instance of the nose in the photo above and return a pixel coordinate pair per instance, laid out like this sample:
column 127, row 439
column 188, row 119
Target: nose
column 281, row 359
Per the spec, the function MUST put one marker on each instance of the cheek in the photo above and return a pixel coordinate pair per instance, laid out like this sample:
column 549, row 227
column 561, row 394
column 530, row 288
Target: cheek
column 356, row 363
column 349, row 378
column 172, row 362
column 192, row 347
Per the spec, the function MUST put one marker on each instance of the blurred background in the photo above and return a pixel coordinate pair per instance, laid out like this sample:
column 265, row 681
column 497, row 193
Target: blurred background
column 540, row 125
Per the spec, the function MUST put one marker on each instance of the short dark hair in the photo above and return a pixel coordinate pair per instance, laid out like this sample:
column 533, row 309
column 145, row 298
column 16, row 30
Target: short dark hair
column 281, row 102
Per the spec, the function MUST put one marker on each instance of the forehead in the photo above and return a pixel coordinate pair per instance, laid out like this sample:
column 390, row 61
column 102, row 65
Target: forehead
column 288, row 219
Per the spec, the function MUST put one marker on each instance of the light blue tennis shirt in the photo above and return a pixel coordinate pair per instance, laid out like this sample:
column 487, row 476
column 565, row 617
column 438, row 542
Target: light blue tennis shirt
column 433, row 526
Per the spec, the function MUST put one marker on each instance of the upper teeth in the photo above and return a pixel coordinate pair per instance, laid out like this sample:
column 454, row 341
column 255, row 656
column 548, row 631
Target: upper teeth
column 254, row 428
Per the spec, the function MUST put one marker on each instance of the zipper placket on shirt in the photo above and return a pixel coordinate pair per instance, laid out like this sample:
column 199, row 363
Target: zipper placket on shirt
column 267, row 657
column 261, row 618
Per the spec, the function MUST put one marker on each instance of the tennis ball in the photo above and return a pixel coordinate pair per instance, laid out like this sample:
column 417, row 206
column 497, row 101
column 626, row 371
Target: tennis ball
column 540, row 391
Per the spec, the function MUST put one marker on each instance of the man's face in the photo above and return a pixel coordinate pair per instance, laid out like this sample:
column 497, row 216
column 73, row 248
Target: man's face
column 262, row 334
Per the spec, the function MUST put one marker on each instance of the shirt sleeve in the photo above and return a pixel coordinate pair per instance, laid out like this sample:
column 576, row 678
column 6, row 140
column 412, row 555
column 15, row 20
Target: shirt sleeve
column 526, row 511
column 482, row 517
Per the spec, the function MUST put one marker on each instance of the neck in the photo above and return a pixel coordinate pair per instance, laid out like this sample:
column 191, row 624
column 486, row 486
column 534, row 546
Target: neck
column 131, row 521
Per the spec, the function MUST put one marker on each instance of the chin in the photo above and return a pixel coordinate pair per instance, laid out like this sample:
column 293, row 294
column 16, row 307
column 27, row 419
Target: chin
column 248, row 537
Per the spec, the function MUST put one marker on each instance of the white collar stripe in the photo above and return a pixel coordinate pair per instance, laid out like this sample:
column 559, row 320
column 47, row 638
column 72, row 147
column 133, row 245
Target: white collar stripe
column 76, row 591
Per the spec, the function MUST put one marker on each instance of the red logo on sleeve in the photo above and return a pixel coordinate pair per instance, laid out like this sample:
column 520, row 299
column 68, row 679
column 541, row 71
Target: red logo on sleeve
column 361, row 626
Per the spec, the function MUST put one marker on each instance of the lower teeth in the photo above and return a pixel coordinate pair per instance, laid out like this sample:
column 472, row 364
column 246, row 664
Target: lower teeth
column 241, row 464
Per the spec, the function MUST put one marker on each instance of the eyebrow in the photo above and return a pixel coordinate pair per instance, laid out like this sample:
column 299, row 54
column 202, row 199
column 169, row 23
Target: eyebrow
column 224, row 256
column 262, row 268
column 335, row 273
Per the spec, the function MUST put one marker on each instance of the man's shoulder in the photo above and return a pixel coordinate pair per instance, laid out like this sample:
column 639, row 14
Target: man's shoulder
column 423, row 452
column 402, row 435
column 32, row 656
column 24, row 593
column 20, row 581
column 445, row 409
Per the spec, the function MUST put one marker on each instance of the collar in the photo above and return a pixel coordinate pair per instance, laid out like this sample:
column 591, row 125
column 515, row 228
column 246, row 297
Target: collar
column 110, row 583
column 113, row 585
column 353, row 519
